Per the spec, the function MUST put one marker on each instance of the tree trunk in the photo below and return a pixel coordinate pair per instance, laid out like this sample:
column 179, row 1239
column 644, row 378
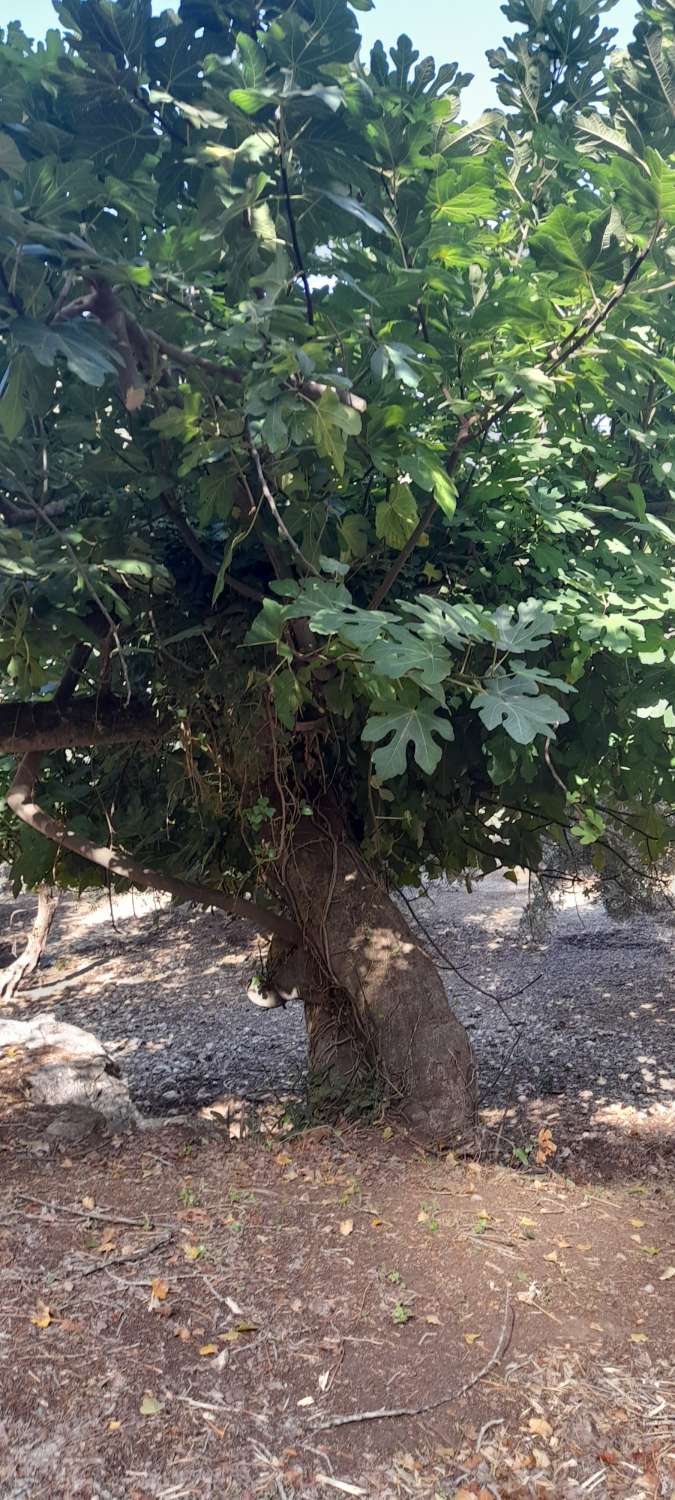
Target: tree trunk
column 26, row 963
column 377, row 1014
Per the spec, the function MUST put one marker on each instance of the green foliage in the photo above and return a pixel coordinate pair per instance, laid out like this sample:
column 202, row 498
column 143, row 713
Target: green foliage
column 354, row 419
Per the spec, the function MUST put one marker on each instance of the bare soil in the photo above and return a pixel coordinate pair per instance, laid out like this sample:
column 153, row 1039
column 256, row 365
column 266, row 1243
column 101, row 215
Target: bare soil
column 268, row 1285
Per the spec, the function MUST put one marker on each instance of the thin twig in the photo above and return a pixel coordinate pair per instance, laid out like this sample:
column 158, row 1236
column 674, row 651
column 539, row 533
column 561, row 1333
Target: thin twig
column 308, row 566
column 499, row 1000
column 450, row 1397
column 85, row 1213
column 464, row 433
column 551, row 767
column 121, row 1260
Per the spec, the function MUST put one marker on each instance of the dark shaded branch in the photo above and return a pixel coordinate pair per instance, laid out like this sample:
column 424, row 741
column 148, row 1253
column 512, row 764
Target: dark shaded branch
column 203, row 557
column 18, row 515
column 103, row 305
column 297, row 252
column 86, row 722
column 463, row 436
column 578, row 338
column 186, row 358
column 11, row 296
column 79, row 657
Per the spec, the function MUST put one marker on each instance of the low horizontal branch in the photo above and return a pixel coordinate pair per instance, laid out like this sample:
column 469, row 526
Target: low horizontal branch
column 84, row 722
column 19, row 801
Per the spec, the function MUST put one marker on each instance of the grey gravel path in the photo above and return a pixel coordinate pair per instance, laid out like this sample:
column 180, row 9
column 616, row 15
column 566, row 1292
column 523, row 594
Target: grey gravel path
column 166, row 993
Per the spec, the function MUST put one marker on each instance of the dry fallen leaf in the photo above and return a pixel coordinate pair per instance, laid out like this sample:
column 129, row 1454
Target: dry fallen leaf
column 470, row 1338
column 387, row 1133
column 346, row 1226
column 542, row 1458
column 546, row 1146
column 114, row 1425
column 553, row 1255
column 528, row 1223
column 150, row 1406
column 159, row 1289
column 193, row 1252
column 540, row 1427
column 637, row 1223
column 585, row 1247
column 668, row 1275
column 638, row 1338
column 231, row 1336
column 208, row 1349
column 306, row 1401
column 42, row 1316
column 432, row 1318
column 376, row 1223
column 88, row 1202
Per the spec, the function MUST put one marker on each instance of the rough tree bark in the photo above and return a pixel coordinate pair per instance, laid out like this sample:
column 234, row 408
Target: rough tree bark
column 26, row 962
column 374, row 1001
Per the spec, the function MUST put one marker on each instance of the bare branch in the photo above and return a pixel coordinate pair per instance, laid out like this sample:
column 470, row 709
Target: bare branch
column 87, row 722
column 308, row 567
column 19, row 800
column 315, row 389
column 449, row 1397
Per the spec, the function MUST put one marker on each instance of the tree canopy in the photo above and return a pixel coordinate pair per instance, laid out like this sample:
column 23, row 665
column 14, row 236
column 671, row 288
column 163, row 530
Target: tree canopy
column 336, row 435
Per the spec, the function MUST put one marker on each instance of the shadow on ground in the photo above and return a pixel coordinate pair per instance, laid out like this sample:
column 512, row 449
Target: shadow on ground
column 577, row 1034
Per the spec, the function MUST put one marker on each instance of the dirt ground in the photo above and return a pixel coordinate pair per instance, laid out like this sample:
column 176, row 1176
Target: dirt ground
column 185, row 1313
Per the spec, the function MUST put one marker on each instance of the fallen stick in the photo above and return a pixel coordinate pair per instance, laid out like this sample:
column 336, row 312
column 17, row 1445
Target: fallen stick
column 121, row 1260
column 85, row 1213
column 384, row 1412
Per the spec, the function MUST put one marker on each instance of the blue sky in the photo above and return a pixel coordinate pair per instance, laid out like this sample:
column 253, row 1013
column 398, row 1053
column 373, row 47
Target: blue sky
column 464, row 39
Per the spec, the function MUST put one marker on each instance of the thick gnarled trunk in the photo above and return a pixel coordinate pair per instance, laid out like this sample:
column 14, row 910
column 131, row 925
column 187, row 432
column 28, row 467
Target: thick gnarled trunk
column 375, row 1005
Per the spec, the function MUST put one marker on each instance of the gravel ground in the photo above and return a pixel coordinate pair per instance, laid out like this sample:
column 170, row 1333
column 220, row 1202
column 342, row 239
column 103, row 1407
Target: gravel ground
column 588, row 1016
